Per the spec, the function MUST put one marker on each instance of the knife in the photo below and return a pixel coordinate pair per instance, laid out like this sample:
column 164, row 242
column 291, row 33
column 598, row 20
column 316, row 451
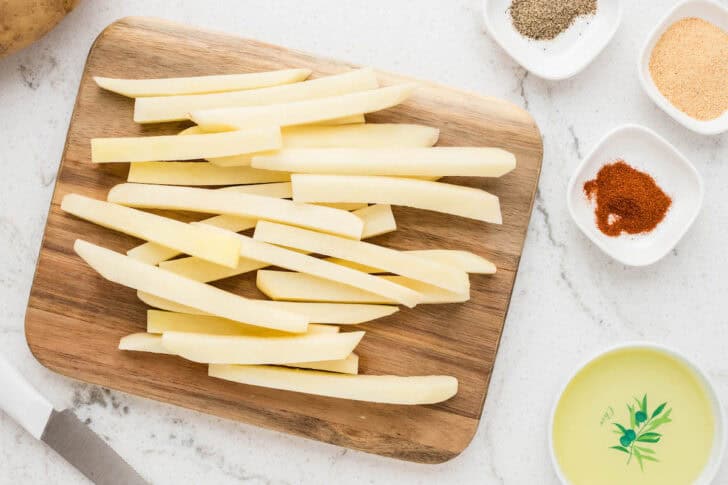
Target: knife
column 62, row 431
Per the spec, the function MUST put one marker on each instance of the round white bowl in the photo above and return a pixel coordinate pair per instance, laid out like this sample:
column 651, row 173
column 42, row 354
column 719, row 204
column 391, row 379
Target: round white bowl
column 706, row 10
column 719, row 438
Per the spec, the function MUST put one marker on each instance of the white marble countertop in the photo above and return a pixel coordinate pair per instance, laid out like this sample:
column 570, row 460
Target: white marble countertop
column 570, row 300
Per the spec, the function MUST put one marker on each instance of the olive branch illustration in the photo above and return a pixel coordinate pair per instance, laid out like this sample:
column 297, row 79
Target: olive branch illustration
column 642, row 430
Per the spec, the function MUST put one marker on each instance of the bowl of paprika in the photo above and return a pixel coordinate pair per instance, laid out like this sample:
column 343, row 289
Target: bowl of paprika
column 635, row 196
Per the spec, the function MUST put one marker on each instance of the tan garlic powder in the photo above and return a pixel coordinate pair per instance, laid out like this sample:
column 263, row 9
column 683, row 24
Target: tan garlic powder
column 689, row 66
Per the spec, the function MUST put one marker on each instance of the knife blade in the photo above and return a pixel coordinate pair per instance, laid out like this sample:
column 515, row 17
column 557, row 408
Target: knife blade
column 62, row 431
column 85, row 450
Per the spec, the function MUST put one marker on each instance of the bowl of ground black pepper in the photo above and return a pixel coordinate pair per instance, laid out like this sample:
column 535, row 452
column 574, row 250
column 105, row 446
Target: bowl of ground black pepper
column 553, row 39
column 635, row 196
column 683, row 66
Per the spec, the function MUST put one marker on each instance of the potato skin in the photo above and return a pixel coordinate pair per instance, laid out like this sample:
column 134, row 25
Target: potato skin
column 24, row 21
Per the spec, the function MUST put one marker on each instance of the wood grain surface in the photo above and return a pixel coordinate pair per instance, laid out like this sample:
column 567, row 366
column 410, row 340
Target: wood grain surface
column 75, row 318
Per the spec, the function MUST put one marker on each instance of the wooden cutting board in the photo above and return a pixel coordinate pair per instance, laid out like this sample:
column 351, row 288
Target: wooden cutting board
column 75, row 318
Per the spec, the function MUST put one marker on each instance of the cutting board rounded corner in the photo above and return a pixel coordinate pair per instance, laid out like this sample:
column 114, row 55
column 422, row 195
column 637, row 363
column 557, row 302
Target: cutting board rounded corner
column 35, row 350
column 465, row 441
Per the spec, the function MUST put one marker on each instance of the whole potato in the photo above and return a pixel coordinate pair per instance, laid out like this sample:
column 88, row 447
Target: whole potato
column 24, row 21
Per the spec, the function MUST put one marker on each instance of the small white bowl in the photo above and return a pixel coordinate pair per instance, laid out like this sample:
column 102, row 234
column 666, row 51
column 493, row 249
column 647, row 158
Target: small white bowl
column 719, row 439
column 706, row 10
column 646, row 151
column 559, row 58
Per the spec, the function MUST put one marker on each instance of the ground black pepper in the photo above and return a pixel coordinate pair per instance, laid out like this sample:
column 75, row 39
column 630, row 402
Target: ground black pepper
column 545, row 19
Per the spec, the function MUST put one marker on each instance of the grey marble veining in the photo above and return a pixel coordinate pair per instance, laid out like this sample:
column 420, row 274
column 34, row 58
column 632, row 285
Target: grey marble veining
column 569, row 301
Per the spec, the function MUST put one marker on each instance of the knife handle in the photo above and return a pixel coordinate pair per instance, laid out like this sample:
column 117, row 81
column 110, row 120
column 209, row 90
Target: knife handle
column 22, row 402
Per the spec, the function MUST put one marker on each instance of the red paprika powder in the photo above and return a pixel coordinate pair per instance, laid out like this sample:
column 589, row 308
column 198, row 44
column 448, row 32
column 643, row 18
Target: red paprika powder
column 626, row 200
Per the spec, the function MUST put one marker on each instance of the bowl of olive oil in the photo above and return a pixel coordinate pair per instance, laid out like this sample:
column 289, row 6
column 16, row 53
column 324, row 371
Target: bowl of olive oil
column 638, row 413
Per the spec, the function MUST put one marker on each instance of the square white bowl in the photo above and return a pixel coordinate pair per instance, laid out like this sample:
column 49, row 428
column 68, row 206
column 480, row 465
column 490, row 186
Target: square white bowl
column 706, row 10
column 646, row 151
column 559, row 58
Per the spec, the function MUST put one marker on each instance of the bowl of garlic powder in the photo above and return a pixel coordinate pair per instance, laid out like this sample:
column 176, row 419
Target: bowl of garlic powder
column 683, row 66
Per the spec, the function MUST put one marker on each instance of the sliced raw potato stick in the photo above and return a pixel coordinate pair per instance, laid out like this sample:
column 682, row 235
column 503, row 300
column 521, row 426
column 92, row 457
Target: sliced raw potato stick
column 164, row 304
column 317, row 313
column 141, row 276
column 353, row 136
column 279, row 190
column 336, row 313
column 194, row 199
column 344, row 120
column 421, row 194
column 240, row 349
column 295, row 261
column 350, row 365
column 302, row 112
column 464, row 260
column 160, row 322
column 282, row 285
column 188, row 147
column 143, row 342
column 153, row 253
column 377, row 220
column 200, row 173
column 392, row 261
column 370, row 135
column 196, row 130
column 345, row 206
column 147, row 342
column 404, row 162
column 217, row 248
column 136, row 88
column 154, row 110
column 207, row 174
column 380, row 389
column 200, row 270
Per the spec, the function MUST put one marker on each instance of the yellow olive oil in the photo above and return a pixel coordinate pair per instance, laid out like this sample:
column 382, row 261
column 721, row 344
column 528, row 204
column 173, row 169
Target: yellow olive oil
column 634, row 416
